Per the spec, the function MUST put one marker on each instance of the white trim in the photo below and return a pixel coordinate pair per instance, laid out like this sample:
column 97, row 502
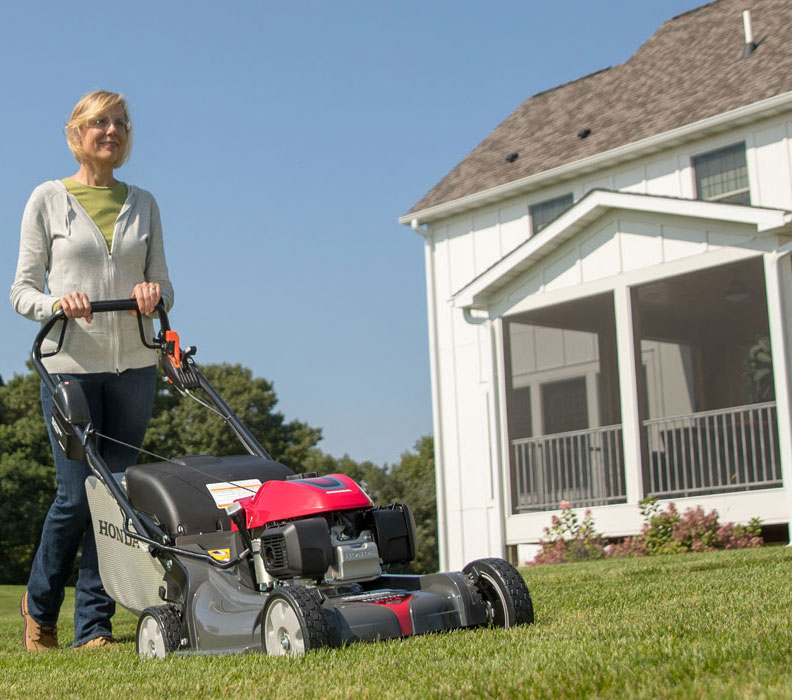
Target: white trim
column 505, row 305
column 437, row 411
column 778, row 275
column 627, row 363
column 503, row 461
column 591, row 207
column 622, row 519
column 630, row 151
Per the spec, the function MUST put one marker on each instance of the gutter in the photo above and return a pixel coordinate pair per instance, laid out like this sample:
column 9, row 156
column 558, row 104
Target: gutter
column 631, row 151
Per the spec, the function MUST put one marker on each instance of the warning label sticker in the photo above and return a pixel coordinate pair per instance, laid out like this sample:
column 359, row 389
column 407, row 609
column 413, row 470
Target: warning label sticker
column 220, row 554
column 225, row 493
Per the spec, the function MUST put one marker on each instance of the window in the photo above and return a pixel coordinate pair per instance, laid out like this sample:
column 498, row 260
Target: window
column 564, row 406
column 545, row 212
column 722, row 175
column 519, row 413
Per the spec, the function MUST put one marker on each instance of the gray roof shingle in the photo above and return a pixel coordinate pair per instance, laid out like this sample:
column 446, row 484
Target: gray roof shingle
column 690, row 69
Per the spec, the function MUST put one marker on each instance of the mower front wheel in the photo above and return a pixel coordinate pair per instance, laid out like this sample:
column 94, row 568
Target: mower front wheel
column 294, row 622
column 158, row 631
column 503, row 590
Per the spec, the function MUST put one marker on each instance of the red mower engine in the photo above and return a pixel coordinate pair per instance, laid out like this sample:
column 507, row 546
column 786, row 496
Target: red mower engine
column 326, row 528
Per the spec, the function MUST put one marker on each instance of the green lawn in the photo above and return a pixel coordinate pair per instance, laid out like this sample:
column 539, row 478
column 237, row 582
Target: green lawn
column 715, row 625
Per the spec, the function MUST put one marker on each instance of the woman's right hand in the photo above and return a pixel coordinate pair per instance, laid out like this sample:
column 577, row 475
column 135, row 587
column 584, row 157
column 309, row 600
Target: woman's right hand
column 76, row 305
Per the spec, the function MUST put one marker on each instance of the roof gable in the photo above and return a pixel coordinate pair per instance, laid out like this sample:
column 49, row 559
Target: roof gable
column 689, row 70
column 589, row 209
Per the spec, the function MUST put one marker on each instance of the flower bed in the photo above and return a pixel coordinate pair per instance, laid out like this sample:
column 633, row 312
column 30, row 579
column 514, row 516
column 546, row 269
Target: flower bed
column 568, row 538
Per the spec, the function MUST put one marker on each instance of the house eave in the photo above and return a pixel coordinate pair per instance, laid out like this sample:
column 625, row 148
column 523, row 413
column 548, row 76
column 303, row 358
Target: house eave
column 631, row 151
column 476, row 294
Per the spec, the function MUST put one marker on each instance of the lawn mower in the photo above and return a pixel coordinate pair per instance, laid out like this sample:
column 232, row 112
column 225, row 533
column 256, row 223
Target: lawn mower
column 219, row 554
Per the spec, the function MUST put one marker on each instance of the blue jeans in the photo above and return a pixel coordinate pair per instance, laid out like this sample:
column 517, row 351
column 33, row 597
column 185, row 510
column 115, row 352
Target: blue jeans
column 120, row 407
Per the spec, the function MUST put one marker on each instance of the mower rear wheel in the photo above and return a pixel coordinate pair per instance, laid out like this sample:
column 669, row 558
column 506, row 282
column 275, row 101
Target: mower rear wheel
column 294, row 622
column 158, row 631
column 503, row 590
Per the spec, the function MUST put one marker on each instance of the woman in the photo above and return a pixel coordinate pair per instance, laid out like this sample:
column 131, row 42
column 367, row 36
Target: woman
column 89, row 237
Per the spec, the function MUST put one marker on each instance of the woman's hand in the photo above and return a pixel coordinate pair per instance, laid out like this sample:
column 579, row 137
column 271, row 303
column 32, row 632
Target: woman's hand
column 147, row 295
column 76, row 305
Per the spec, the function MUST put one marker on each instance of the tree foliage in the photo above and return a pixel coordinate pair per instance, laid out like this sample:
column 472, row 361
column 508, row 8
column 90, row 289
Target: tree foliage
column 27, row 475
column 180, row 426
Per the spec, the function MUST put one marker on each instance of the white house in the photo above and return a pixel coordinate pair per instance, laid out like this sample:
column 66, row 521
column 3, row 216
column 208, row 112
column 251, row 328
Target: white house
column 608, row 275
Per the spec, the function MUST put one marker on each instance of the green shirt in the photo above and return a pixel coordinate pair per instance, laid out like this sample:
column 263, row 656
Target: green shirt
column 102, row 204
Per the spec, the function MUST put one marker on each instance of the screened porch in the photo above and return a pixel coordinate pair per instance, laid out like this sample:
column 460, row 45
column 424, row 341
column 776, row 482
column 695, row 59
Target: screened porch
column 704, row 384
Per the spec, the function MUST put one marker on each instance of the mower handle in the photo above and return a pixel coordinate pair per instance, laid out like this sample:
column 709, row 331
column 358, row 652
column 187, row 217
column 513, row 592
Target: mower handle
column 97, row 307
column 167, row 343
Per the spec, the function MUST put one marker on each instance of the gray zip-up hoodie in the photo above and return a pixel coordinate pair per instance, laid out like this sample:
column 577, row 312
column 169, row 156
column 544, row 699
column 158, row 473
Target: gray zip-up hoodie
column 61, row 250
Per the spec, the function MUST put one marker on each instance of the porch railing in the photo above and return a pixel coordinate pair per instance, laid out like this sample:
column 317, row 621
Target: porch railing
column 584, row 467
column 734, row 449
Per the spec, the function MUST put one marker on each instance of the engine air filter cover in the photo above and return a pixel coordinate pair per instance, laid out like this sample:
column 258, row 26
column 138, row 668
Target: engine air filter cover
column 299, row 548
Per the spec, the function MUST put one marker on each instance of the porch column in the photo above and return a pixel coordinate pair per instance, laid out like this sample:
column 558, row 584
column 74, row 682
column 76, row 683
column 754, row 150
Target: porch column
column 628, row 388
column 499, row 447
column 778, row 276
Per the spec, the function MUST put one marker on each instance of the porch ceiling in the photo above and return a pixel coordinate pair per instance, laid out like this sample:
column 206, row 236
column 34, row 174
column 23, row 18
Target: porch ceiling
column 478, row 293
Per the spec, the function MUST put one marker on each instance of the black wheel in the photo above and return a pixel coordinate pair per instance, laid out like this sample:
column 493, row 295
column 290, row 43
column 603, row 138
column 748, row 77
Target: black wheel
column 294, row 622
column 159, row 631
column 503, row 590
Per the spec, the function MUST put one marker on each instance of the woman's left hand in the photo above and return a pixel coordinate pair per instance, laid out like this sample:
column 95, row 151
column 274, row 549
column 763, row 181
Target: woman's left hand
column 148, row 295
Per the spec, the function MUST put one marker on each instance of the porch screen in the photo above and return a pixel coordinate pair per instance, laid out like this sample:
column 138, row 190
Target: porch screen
column 562, row 377
column 708, row 415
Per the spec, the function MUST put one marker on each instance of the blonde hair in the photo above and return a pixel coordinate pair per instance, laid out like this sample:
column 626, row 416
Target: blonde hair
column 92, row 105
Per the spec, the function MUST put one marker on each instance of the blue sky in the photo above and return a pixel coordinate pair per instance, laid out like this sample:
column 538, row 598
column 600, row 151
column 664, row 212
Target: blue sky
column 282, row 141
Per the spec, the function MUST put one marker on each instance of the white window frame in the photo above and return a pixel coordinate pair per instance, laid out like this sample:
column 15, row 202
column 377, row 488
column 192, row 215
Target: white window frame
column 711, row 156
column 562, row 203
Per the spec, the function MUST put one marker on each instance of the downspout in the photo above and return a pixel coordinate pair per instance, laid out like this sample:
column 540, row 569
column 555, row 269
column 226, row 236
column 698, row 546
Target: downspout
column 467, row 312
column 495, row 417
column 437, row 422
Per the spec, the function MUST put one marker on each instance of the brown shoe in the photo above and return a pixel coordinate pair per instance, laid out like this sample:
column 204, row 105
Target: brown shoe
column 37, row 637
column 96, row 642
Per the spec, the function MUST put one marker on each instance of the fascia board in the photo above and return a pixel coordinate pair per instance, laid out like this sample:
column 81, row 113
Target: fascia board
column 591, row 207
column 630, row 151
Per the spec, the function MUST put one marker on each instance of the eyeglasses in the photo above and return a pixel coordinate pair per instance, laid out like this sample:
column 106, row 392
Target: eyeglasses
column 103, row 122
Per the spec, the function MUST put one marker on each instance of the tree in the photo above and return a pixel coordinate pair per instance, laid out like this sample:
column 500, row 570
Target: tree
column 27, row 475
